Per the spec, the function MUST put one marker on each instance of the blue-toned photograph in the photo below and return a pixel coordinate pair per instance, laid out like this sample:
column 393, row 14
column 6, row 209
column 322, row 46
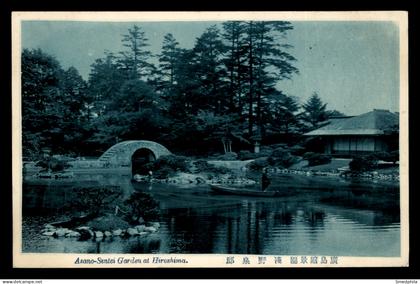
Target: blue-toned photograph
column 211, row 137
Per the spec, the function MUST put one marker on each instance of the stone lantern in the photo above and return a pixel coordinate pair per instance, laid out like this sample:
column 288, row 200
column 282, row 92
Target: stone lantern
column 257, row 147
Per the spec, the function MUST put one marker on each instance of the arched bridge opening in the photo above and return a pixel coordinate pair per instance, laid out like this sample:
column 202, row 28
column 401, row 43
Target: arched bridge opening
column 139, row 161
column 131, row 154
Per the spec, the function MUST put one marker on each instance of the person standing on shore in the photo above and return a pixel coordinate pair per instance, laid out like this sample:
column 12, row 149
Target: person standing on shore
column 265, row 181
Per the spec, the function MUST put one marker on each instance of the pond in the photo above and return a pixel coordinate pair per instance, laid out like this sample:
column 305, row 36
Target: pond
column 320, row 216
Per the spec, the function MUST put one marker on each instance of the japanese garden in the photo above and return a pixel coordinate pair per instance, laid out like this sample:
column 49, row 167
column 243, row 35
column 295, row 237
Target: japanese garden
column 124, row 160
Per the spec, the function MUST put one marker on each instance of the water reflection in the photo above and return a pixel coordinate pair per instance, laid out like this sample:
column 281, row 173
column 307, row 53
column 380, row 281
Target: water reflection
column 194, row 220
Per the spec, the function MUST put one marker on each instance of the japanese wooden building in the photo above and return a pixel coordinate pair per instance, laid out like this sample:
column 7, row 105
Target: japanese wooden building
column 375, row 131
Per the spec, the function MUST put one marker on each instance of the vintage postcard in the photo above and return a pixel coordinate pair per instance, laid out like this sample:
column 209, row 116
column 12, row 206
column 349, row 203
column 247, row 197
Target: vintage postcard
column 210, row 139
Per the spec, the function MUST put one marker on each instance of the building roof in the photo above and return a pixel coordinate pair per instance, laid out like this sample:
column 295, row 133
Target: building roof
column 375, row 122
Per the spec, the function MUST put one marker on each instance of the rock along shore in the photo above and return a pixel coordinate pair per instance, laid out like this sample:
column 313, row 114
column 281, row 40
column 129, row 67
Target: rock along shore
column 84, row 233
column 186, row 178
column 193, row 179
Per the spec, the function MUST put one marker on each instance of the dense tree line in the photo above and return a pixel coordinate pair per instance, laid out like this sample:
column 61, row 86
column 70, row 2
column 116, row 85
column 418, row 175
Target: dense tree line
column 223, row 91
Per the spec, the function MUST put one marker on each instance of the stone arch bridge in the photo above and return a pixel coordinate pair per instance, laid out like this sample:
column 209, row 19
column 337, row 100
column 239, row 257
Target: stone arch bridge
column 121, row 154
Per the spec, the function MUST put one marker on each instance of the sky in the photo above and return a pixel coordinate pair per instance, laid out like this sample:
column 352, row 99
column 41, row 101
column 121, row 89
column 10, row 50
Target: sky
column 352, row 66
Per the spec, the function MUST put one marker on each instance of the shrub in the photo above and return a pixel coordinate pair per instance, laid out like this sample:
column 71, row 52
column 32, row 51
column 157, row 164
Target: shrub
column 168, row 165
column 177, row 163
column 307, row 155
column 163, row 172
column 363, row 163
column 278, row 145
column 280, row 152
column 204, row 166
column 264, row 152
column 95, row 200
column 229, row 156
column 258, row 164
column 297, row 150
column 395, row 156
column 220, row 170
column 247, row 155
column 53, row 164
column 201, row 166
column 108, row 223
column 282, row 162
column 312, row 144
column 388, row 156
column 282, row 157
column 315, row 159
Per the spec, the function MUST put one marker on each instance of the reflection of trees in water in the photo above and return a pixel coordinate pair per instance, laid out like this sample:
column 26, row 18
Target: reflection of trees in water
column 246, row 233
column 59, row 198
column 51, row 194
column 383, row 201
column 141, row 205
column 284, row 217
column 191, row 231
column 244, row 230
column 243, row 234
column 49, row 199
column 248, row 226
column 315, row 217
column 33, row 200
column 144, row 246
column 258, row 221
column 386, row 218
column 132, row 245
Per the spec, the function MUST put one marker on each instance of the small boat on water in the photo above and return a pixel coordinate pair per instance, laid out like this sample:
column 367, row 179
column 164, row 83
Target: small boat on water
column 243, row 191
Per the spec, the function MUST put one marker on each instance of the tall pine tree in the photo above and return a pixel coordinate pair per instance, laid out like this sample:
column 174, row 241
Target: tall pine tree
column 168, row 60
column 207, row 63
column 54, row 106
column 105, row 80
column 235, row 57
column 314, row 111
column 135, row 59
column 269, row 63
